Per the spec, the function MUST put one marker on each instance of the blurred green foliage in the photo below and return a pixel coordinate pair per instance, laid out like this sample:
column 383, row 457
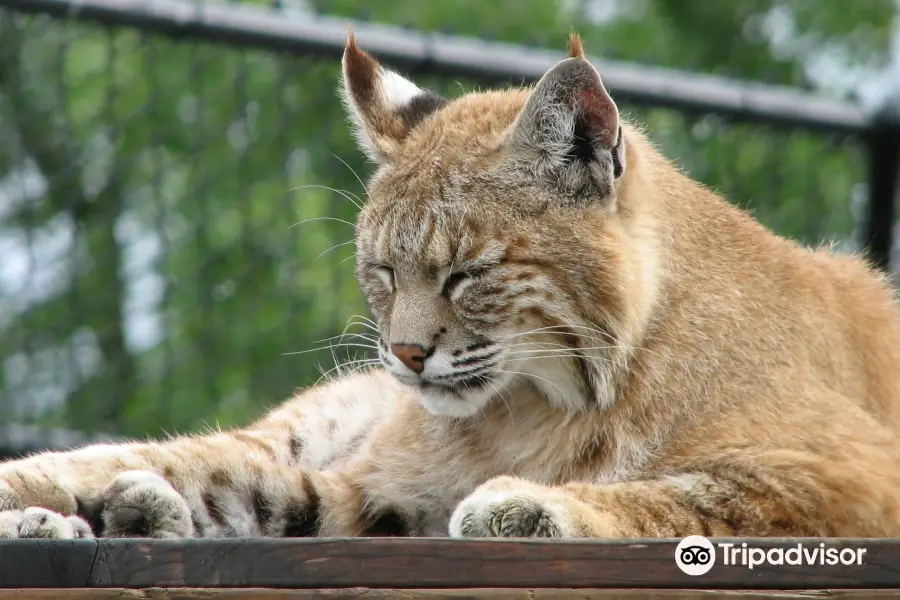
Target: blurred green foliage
column 155, row 269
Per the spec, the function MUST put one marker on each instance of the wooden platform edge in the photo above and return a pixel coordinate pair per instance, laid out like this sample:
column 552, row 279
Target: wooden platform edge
column 435, row 564
column 432, row 594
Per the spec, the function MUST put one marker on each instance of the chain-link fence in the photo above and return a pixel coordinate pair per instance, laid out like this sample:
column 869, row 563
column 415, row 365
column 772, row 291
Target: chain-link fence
column 176, row 217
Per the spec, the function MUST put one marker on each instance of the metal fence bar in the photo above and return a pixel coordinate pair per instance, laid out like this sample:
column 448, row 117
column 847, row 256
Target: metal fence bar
column 883, row 154
column 261, row 27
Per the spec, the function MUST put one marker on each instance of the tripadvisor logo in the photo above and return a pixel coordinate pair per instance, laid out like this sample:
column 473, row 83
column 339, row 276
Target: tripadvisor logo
column 696, row 555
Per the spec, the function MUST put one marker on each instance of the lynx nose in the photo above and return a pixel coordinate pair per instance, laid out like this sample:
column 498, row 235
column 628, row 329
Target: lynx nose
column 411, row 355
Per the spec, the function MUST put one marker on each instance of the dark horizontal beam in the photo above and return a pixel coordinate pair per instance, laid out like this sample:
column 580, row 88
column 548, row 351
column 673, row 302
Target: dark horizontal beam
column 365, row 593
column 303, row 34
column 425, row 563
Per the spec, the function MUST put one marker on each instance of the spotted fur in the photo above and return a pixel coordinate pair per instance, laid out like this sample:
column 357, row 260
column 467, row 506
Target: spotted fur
column 577, row 341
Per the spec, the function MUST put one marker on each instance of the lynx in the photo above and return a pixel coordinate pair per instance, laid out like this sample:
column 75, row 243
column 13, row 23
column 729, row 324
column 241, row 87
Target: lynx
column 577, row 341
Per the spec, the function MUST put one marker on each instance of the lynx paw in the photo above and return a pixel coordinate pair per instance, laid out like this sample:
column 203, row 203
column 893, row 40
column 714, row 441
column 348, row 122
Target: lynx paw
column 143, row 504
column 42, row 523
column 508, row 507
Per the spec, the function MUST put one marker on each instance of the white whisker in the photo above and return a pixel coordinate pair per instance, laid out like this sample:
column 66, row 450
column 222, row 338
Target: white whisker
column 346, row 328
column 567, row 349
column 554, row 328
column 546, row 330
column 496, row 386
column 587, row 357
column 358, row 178
column 365, row 319
column 530, row 375
column 530, row 344
column 343, row 193
column 363, row 362
column 345, row 345
column 353, row 225
column 365, row 322
column 365, row 336
column 334, row 247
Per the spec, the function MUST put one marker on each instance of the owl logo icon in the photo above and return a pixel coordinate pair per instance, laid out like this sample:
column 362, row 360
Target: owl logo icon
column 695, row 555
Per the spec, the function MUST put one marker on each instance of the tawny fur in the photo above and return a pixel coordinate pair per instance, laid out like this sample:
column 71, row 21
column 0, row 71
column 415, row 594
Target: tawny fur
column 655, row 362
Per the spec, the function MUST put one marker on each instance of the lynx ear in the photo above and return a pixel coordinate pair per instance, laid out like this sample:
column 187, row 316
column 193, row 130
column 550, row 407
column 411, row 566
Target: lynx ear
column 569, row 129
column 383, row 105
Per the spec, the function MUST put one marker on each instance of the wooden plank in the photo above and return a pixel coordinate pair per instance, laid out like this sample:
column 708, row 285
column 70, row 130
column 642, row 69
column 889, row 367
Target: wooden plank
column 417, row 563
column 424, row 594
column 443, row 563
column 45, row 563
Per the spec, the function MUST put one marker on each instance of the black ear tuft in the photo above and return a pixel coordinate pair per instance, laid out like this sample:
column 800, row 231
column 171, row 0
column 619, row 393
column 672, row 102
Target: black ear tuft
column 383, row 105
column 618, row 156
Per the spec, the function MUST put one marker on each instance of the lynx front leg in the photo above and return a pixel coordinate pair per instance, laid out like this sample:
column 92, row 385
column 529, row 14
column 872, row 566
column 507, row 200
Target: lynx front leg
column 253, row 499
column 258, row 499
column 508, row 507
column 761, row 494
column 199, row 486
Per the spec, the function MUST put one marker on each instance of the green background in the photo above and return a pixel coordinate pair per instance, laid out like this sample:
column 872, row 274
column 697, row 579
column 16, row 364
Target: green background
column 151, row 276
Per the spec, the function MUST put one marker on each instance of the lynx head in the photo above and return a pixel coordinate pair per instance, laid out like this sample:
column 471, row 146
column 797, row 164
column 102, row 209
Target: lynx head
column 499, row 247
